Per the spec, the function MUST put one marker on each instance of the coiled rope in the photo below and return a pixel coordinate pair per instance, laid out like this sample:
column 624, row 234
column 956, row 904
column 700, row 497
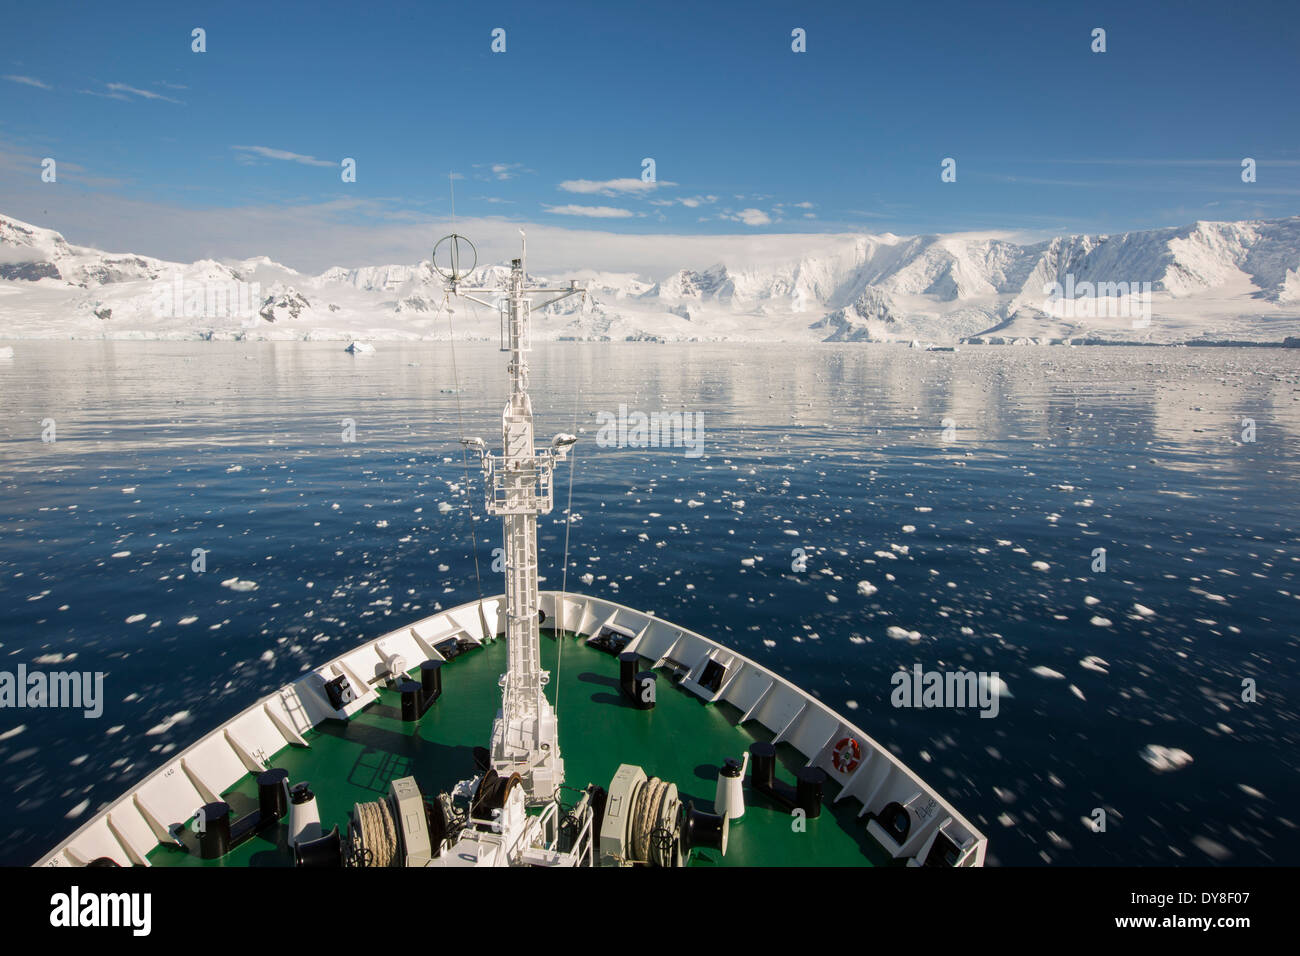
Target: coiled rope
column 373, row 833
column 650, row 806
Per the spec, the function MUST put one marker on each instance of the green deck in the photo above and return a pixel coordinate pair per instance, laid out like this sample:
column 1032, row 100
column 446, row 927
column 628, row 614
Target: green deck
column 682, row 739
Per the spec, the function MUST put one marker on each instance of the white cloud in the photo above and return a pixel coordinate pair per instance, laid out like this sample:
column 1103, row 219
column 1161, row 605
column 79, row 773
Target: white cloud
column 611, row 187
column 690, row 202
column 120, row 91
column 594, row 212
column 269, row 153
column 144, row 94
column 28, row 81
column 751, row 217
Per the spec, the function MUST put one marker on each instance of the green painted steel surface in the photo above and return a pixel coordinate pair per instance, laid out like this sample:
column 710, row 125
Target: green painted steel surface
column 683, row 740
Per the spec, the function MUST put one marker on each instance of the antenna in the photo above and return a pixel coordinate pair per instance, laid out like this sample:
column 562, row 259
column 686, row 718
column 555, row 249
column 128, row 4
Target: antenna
column 454, row 258
column 519, row 489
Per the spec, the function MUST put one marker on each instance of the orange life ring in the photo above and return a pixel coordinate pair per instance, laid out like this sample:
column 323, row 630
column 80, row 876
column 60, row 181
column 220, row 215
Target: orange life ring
column 847, row 755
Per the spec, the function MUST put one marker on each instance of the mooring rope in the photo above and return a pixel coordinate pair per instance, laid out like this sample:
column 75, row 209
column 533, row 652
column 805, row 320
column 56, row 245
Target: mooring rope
column 374, row 830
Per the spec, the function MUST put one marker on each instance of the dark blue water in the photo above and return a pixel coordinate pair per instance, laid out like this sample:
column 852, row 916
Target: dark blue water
column 982, row 544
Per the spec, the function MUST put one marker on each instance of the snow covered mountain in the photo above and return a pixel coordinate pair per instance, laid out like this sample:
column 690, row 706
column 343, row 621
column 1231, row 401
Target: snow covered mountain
column 1209, row 281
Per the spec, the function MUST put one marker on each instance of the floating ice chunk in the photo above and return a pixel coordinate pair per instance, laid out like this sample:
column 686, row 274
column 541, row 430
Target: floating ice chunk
column 1211, row 848
column 121, row 554
column 237, row 585
column 443, row 507
column 1098, row 621
column 56, row 658
column 13, row 733
column 694, row 504
column 78, row 810
column 866, row 588
column 234, row 468
column 135, row 618
column 1093, row 663
column 1043, row 671
column 1163, row 759
column 908, row 528
column 587, row 578
column 180, row 717
column 1077, row 693
column 1144, row 610
column 902, row 633
column 746, row 562
column 1090, row 600
column 188, row 619
column 1041, row 566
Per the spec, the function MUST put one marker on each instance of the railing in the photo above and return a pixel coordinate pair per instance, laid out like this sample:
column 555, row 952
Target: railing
column 507, row 494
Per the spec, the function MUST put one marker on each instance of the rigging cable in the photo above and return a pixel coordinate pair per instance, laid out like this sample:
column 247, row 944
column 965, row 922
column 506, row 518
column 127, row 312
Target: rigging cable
column 564, row 573
column 464, row 452
column 460, row 421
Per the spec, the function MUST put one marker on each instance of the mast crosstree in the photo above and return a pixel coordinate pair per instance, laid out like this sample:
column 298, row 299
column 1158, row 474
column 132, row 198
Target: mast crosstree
column 519, row 488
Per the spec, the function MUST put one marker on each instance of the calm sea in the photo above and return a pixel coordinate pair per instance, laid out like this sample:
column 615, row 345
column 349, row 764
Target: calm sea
column 855, row 510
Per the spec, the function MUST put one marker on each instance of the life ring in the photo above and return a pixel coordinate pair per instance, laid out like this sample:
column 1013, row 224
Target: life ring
column 847, row 755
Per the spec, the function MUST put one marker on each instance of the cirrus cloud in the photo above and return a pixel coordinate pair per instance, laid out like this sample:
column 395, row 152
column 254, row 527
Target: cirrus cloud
column 592, row 212
column 268, row 153
column 27, row 81
column 611, row 187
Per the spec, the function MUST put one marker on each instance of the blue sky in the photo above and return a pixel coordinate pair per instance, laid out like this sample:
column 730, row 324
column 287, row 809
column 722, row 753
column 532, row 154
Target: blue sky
column 236, row 151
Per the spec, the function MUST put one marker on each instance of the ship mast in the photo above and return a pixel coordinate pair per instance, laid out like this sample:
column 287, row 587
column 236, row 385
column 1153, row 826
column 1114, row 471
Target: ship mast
column 518, row 487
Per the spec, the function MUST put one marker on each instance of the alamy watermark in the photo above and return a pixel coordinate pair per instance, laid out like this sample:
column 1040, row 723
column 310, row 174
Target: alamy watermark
column 36, row 689
column 230, row 299
column 655, row 430
column 1095, row 300
column 922, row 688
